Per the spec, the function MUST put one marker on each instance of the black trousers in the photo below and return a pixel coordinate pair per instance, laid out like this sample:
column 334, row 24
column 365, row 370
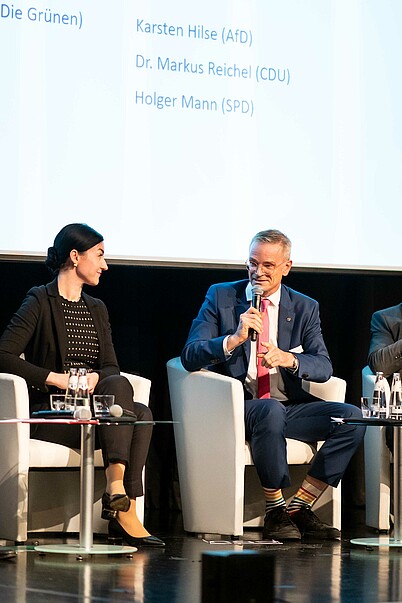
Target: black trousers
column 126, row 444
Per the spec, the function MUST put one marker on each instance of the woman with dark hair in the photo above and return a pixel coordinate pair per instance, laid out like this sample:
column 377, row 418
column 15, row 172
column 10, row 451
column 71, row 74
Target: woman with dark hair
column 58, row 327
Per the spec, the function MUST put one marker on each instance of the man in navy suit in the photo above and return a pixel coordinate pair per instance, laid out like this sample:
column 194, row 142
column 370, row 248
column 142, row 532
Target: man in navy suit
column 289, row 348
column 385, row 353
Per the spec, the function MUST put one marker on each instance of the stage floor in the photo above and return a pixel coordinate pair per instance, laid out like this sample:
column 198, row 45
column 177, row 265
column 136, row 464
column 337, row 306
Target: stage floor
column 304, row 572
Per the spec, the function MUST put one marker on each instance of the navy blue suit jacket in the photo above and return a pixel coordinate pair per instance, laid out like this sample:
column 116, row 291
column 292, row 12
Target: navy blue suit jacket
column 298, row 325
column 385, row 353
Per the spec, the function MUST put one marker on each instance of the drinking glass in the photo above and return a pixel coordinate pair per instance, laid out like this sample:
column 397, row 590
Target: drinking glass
column 365, row 405
column 60, row 402
column 102, row 404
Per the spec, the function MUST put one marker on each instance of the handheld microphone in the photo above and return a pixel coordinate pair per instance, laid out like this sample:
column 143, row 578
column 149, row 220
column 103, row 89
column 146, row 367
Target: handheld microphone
column 117, row 411
column 257, row 293
column 83, row 412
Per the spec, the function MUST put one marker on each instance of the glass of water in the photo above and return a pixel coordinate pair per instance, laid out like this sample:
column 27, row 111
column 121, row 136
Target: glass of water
column 102, row 404
column 58, row 402
column 365, row 405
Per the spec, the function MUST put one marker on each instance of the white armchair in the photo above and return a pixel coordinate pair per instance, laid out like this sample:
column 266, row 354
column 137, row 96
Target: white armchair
column 220, row 490
column 39, row 481
column 377, row 465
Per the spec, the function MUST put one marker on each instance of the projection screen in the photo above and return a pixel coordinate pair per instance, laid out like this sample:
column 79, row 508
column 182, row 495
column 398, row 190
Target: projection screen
column 179, row 129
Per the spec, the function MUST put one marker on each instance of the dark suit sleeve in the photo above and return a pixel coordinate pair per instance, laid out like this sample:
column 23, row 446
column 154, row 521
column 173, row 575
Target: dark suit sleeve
column 108, row 361
column 204, row 345
column 15, row 340
column 314, row 362
column 385, row 352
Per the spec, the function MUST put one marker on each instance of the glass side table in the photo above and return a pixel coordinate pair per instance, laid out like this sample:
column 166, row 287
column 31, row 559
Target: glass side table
column 385, row 540
column 85, row 546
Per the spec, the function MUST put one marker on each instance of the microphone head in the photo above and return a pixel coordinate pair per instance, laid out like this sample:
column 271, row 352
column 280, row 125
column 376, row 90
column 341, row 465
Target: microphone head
column 257, row 293
column 83, row 412
column 116, row 410
column 257, row 290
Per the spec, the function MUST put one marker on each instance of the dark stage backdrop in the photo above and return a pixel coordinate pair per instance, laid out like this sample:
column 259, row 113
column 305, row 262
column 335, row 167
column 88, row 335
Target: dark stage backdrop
column 151, row 309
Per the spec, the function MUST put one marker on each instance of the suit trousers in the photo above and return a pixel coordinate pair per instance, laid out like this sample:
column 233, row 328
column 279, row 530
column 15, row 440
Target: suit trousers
column 127, row 444
column 269, row 422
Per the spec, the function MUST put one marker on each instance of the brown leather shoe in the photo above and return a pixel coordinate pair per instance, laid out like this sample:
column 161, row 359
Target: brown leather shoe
column 279, row 526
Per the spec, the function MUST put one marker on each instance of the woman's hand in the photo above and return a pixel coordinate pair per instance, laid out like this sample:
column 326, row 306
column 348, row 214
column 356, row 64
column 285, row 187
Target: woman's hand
column 59, row 380
column 92, row 379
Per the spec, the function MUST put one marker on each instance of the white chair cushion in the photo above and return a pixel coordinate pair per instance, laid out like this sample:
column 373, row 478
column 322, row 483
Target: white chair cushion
column 47, row 454
column 298, row 453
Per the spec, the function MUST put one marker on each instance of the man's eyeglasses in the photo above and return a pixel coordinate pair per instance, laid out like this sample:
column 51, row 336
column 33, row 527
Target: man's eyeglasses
column 266, row 268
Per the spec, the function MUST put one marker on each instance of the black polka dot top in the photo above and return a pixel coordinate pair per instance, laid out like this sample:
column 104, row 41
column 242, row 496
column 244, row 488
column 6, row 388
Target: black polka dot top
column 82, row 338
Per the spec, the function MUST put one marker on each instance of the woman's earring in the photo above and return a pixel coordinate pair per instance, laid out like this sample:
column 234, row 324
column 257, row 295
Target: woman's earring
column 75, row 264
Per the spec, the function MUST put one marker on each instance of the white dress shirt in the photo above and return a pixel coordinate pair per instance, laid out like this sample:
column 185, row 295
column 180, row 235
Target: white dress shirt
column 277, row 388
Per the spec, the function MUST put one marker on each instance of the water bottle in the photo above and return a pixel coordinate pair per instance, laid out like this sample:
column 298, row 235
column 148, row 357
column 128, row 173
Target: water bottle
column 82, row 395
column 379, row 403
column 72, row 383
column 71, row 391
column 396, row 397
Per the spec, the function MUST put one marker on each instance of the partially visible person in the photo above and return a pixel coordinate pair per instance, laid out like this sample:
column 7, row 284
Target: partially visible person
column 290, row 348
column 57, row 327
column 385, row 351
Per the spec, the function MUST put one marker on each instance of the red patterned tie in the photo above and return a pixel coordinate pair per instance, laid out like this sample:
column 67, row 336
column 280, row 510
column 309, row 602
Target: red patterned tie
column 262, row 371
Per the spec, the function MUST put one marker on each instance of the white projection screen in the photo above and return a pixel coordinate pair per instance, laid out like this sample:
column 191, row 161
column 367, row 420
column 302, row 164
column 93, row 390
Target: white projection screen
column 179, row 129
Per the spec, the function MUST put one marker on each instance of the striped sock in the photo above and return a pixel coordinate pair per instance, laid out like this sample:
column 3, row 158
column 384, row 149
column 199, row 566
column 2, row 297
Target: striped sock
column 306, row 496
column 273, row 498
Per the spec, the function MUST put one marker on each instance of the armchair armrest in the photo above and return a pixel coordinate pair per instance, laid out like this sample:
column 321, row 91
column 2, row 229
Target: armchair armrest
column 14, row 437
column 141, row 387
column 210, row 436
column 14, row 464
column 14, row 397
column 333, row 390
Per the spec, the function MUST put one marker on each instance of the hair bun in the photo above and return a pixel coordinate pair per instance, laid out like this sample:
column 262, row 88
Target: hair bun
column 80, row 237
column 52, row 261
